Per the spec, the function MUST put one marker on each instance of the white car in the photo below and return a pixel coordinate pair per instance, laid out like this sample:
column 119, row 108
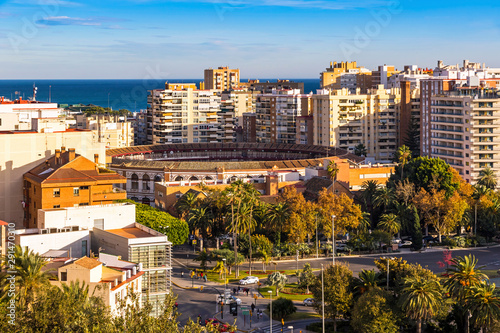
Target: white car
column 249, row 280
column 308, row 302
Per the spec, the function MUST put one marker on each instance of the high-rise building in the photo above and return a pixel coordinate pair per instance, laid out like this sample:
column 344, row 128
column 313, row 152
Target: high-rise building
column 222, row 78
column 276, row 115
column 382, row 75
column 341, row 75
column 345, row 120
column 114, row 131
column 183, row 114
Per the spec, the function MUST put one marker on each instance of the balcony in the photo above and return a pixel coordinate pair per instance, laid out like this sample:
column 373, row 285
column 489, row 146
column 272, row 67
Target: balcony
column 115, row 194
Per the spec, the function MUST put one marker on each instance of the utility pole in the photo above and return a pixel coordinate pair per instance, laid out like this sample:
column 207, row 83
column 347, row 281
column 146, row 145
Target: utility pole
column 323, row 298
column 333, row 239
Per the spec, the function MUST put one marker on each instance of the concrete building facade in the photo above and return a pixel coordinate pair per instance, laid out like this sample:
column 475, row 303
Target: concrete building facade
column 222, row 78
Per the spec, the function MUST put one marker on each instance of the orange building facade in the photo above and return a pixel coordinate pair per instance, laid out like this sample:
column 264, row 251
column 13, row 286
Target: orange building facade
column 67, row 180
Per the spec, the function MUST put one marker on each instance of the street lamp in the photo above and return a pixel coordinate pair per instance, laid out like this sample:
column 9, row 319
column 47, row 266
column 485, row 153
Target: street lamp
column 271, row 312
column 323, row 298
column 225, row 279
column 333, row 239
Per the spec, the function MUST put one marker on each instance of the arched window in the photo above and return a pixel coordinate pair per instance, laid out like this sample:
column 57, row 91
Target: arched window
column 135, row 199
column 145, row 182
column 157, row 178
column 193, row 178
column 208, row 178
column 135, row 182
column 233, row 179
column 146, row 201
column 178, row 179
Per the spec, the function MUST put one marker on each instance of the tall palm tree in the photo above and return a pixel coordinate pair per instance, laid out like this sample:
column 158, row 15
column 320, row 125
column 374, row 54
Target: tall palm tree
column 390, row 223
column 463, row 275
column 29, row 275
column 403, row 156
column 245, row 223
column 277, row 217
column 488, row 178
column 484, row 305
column 368, row 190
column 384, row 197
column 200, row 218
column 235, row 195
column 187, row 202
column 360, row 150
column 421, row 299
column 332, row 171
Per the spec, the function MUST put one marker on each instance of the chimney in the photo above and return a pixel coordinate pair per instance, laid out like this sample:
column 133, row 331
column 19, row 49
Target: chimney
column 134, row 270
column 58, row 157
column 96, row 158
column 71, row 155
column 63, row 149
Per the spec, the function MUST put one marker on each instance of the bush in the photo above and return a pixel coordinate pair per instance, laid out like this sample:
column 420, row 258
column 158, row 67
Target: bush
column 282, row 308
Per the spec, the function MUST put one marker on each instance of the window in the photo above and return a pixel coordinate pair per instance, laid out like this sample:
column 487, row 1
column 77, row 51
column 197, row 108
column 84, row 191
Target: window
column 84, row 187
column 84, row 248
column 56, row 206
column 64, row 276
column 83, row 204
column 56, row 193
column 76, row 191
column 135, row 182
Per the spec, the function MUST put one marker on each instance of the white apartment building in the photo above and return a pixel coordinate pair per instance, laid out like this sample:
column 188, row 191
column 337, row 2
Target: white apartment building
column 110, row 229
column 17, row 115
column 345, row 120
column 183, row 114
column 465, row 130
column 114, row 131
column 276, row 115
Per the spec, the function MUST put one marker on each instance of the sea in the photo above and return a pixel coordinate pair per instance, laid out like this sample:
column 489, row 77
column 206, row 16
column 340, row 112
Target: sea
column 116, row 94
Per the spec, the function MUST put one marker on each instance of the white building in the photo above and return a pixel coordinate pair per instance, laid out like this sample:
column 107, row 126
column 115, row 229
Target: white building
column 17, row 115
column 112, row 229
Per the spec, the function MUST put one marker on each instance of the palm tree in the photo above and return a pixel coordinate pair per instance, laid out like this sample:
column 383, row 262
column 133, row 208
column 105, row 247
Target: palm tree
column 463, row 276
column 245, row 223
column 368, row 190
column 488, row 178
column 332, row 171
column 360, row 150
column 484, row 305
column 366, row 280
column 277, row 279
column 390, row 223
column 29, row 275
column 421, row 299
column 384, row 197
column 200, row 219
column 403, row 156
column 277, row 217
column 235, row 195
column 185, row 204
column 252, row 200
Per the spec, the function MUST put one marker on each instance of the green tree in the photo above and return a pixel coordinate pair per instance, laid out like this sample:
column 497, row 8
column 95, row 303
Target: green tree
column 278, row 280
column 368, row 193
column 227, row 254
column 372, row 313
column 403, row 156
column 264, row 248
column 484, row 304
column 185, row 204
column 29, row 276
column 487, row 178
column 421, row 299
column 338, row 295
column 306, row 278
column 278, row 217
column 360, row 150
column 366, row 281
column 333, row 170
column 177, row 230
column 203, row 258
column 390, row 223
column 412, row 138
column 282, row 308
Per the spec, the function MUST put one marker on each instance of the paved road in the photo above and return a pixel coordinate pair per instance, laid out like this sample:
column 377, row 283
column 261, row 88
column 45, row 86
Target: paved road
column 193, row 302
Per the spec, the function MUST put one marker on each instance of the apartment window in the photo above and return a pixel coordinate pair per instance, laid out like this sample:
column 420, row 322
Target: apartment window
column 83, row 204
column 84, row 248
column 56, row 206
column 56, row 193
column 64, row 276
column 76, row 191
column 84, row 187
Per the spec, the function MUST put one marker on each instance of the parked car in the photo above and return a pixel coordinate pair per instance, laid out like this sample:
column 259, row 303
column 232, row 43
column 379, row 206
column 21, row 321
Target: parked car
column 308, row 302
column 341, row 247
column 249, row 280
column 405, row 243
column 396, row 241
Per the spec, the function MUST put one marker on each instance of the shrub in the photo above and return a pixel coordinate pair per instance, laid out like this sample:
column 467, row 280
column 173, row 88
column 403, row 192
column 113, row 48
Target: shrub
column 282, row 308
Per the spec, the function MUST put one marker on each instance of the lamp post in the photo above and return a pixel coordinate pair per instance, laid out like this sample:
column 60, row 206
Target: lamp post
column 322, row 299
column 386, row 258
column 333, row 239
column 475, row 225
column 225, row 279
column 317, row 244
column 271, row 312
column 290, row 328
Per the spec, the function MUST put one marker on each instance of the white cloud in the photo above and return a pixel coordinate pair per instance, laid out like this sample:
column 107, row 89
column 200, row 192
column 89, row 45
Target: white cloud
column 66, row 20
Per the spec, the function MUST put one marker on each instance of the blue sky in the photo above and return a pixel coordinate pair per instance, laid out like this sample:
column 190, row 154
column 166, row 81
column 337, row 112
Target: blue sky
column 52, row 39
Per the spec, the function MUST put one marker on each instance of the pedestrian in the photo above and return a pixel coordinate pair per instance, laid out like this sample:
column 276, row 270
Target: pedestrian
column 205, row 277
column 248, row 291
column 253, row 308
column 199, row 319
column 182, row 274
column 234, row 291
column 238, row 292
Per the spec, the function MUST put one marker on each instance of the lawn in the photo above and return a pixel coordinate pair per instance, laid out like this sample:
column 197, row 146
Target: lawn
column 231, row 277
column 264, row 292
